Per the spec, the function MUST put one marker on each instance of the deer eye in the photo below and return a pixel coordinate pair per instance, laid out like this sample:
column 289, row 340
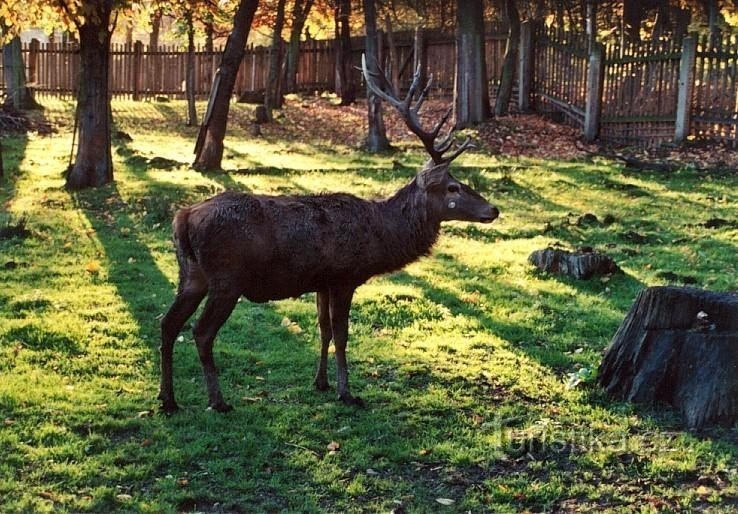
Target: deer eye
column 453, row 188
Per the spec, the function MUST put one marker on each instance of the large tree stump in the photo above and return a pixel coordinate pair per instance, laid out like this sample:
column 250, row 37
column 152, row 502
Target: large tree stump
column 582, row 265
column 678, row 346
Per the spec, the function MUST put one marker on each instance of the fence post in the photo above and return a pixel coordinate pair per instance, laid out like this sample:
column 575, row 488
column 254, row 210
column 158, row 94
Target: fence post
column 137, row 57
column 684, row 93
column 525, row 66
column 33, row 50
column 595, row 79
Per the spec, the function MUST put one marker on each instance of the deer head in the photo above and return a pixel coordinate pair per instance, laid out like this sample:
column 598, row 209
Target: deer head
column 449, row 198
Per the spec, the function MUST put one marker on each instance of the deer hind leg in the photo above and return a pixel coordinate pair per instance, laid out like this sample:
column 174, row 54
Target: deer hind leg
column 326, row 334
column 216, row 312
column 340, row 305
column 192, row 290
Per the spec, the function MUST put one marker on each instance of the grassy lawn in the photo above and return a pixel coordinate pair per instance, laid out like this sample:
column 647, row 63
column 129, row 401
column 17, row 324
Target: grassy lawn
column 463, row 357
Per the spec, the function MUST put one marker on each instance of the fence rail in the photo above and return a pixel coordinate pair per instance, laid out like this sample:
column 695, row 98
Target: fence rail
column 647, row 93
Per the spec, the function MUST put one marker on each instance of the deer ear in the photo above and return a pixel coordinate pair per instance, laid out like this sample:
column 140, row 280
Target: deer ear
column 432, row 175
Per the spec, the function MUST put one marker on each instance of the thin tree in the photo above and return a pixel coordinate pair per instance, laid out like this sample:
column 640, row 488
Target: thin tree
column 471, row 97
column 376, row 140
column 300, row 12
column 272, row 92
column 504, row 91
column 345, row 84
column 209, row 146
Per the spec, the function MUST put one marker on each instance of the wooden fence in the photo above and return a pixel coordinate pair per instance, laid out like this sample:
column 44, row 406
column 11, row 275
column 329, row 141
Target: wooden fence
column 137, row 71
column 649, row 93
column 646, row 94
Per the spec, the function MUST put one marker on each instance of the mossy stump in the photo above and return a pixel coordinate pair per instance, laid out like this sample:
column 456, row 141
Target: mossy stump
column 581, row 265
column 678, row 346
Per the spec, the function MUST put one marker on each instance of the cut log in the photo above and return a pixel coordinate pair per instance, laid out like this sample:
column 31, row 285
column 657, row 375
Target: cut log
column 579, row 265
column 678, row 346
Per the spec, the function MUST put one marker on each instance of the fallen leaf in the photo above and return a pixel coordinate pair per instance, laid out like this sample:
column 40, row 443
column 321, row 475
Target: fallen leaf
column 92, row 267
column 445, row 501
column 333, row 446
column 123, row 497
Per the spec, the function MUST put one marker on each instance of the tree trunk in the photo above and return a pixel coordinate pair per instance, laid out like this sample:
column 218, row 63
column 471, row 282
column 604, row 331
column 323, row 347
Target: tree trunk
column 504, row 91
column 471, row 96
column 190, row 71
column 712, row 11
column 345, row 86
column 19, row 95
column 633, row 14
column 591, row 24
column 209, row 148
column 93, row 165
column 394, row 59
column 376, row 140
column 272, row 93
column 155, row 26
column 678, row 346
column 300, row 12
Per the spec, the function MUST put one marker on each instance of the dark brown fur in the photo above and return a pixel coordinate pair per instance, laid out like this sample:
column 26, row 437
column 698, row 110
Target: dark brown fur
column 274, row 247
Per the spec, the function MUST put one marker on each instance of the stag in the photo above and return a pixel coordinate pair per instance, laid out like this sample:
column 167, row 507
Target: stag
column 274, row 247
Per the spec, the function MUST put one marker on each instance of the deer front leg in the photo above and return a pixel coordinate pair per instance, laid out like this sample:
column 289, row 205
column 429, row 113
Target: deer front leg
column 340, row 304
column 326, row 334
column 216, row 312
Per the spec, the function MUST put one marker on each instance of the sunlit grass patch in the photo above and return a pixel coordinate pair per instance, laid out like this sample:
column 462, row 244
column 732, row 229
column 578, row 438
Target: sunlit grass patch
column 463, row 357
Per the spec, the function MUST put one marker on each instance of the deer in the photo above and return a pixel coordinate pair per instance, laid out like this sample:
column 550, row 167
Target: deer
column 268, row 248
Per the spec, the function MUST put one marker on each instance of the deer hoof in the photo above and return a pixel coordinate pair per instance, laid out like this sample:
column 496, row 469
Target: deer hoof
column 220, row 407
column 353, row 401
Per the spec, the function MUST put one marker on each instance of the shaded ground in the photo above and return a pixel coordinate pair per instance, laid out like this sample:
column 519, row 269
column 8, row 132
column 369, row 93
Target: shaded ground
column 519, row 135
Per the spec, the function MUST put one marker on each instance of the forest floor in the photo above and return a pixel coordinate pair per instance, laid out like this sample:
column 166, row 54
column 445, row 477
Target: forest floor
column 479, row 372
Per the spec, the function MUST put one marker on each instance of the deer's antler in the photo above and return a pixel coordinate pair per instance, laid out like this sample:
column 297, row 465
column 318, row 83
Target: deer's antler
column 381, row 86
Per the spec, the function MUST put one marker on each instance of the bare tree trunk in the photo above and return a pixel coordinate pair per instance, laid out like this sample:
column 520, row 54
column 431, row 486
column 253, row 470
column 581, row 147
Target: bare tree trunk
column 376, row 140
column 19, row 95
column 712, row 10
column 471, row 96
column 504, row 92
column 190, row 72
column 93, row 165
column 394, row 60
column 209, row 147
column 345, row 86
column 155, row 26
column 300, row 12
column 272, row 93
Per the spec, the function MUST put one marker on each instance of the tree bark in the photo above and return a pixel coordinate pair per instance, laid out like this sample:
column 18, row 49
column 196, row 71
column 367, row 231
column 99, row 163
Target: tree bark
column 300, row 12
column 155, row 26
column 345, row 86
column 471, row 96
column 209, row 149
column 93, row 165
column 272, row 93
column 504, row 91
column 19, row 95
column 376, row 140
column 678, row 346
column 190, row 71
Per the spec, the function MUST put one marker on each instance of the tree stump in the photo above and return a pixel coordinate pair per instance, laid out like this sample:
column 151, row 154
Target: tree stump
column 580, row 265
column 678, row 346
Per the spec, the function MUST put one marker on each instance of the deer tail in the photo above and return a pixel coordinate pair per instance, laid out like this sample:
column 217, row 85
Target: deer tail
column 182, row 236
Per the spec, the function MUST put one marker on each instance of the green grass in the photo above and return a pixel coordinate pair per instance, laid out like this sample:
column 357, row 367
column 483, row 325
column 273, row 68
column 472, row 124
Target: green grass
column 463, row 357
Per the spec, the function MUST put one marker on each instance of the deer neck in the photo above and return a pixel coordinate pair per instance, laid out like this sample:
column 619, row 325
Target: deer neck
column 411, row 225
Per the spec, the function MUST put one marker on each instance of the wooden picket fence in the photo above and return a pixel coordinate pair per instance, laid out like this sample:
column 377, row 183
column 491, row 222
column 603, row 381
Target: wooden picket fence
column 137, row 71
column 648, row 93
